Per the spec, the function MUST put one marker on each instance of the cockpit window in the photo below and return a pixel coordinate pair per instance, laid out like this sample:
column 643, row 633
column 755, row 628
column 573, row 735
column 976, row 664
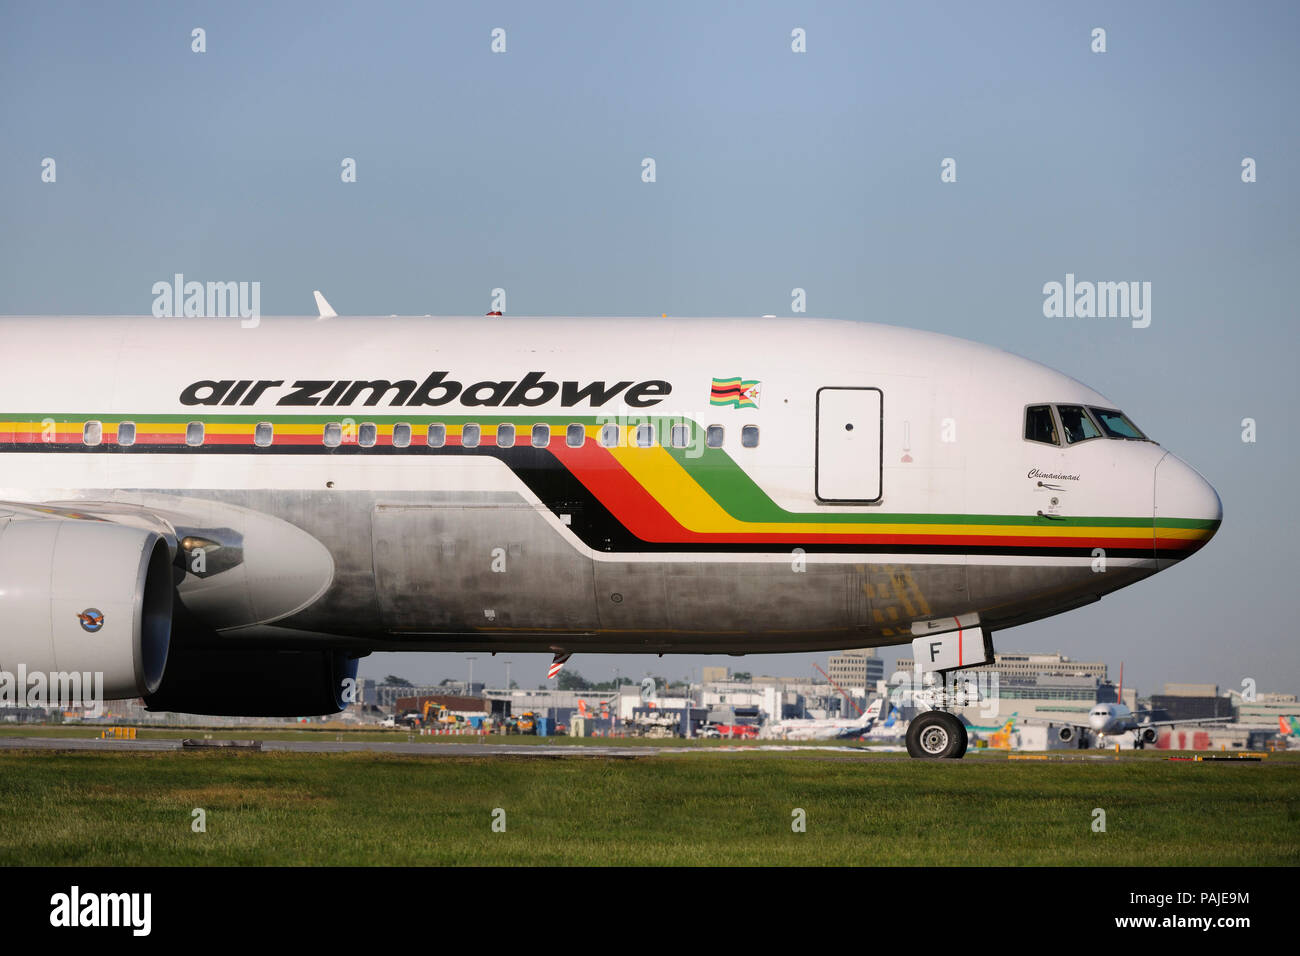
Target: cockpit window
column 1077, row 424
column 1116, row 424
column 1039, row 425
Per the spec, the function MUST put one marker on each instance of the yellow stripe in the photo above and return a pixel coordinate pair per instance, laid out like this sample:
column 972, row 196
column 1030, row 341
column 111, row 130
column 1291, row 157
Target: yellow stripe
column 663, row 477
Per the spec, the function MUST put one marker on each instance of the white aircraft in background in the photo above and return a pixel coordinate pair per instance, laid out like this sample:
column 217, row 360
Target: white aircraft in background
column 223, row 520
column 1117, row 720
column 890, row 728
column 831, row 728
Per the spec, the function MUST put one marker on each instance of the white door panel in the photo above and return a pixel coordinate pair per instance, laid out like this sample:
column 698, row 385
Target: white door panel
column 848, row 444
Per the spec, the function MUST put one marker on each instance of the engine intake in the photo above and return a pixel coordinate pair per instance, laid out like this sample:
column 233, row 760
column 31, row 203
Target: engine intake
column 82, row 595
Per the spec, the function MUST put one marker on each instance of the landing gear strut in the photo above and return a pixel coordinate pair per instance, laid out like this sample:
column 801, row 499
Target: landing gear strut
column 940, row 647
column 936, row 734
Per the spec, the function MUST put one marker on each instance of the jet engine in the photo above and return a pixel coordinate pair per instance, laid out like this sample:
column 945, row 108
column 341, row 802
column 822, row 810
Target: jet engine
column 1065, row 734
column 81, row 595
column 1148, row 735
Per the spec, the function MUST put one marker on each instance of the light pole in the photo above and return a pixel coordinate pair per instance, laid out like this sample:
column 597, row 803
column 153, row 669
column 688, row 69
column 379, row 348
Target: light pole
column 471, row 660
column 688, row 704
column 508, row 677
column 616, row 701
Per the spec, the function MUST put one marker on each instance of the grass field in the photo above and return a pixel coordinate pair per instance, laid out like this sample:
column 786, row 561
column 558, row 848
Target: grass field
column 683, row 808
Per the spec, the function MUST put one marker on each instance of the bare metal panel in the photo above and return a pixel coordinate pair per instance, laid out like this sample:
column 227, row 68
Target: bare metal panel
column 630, row 596
column 477, row 567
column 773, row 597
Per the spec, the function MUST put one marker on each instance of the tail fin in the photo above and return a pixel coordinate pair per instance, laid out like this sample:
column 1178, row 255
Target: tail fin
column 872, row 712
column 323, row 307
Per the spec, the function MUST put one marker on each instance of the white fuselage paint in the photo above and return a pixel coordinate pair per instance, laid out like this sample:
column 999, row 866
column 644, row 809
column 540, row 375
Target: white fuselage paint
column 951, row 441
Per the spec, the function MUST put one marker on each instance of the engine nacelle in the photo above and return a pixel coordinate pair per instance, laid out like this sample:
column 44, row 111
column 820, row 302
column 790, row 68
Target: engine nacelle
column 1065, row 734
column 85, row 596
column 235, row 681
column 1148, row 735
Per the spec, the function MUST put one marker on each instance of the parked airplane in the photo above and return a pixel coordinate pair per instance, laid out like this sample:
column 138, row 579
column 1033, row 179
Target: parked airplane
column 890, row 728
column 223, row 520
column 997, row 736
column 833, row 728
column 1006, row 727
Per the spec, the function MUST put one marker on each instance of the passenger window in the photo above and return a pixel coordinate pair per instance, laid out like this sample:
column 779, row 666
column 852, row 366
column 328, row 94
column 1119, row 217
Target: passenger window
column 749, row 436
column 333, row 434
column 1039, row 425
column 401, row 435
column 645, row 436
column 263, row 434
column 367, row 435
column 609, row 435
column 92, row 433
column 541, row 436
column 713, row 436
column 437, row 436
column 575, row 436
column 680, row 436
column 469, row 435
column 1076, row 424
column 194, row 433
column 126, row 433
column 505, row 435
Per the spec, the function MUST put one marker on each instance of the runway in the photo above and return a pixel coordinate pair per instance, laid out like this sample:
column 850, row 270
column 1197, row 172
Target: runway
column 440, row 750
column 450, row 750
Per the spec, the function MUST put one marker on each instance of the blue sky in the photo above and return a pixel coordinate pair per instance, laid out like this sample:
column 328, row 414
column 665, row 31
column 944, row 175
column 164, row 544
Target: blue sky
column 774, row 170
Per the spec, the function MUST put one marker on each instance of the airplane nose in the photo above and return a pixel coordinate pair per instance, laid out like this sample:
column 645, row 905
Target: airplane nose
column 1186, row 511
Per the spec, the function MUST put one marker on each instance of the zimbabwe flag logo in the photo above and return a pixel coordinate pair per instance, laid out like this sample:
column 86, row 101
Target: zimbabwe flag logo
column 736, row 392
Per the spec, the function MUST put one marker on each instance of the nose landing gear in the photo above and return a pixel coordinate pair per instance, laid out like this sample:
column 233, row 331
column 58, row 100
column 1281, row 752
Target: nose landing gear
column 936, row 734
column 939, row 647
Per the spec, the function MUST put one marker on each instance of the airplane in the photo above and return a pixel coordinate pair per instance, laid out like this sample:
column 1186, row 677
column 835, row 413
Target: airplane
column 987, row 730
column 1288, row 726
column 890, row 729
column 998, row 736
column 224, row 520
column 831, row 728
column 1117, row 720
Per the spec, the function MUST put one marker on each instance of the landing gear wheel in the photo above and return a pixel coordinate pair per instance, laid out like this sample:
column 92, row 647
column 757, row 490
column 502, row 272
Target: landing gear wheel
column 936, row 734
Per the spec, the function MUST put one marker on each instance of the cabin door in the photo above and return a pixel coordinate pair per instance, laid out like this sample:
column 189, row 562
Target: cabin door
column 849, row 429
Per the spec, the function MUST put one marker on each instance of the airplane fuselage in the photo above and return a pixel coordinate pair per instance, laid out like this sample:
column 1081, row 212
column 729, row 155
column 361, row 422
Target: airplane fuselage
column 665, row 485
